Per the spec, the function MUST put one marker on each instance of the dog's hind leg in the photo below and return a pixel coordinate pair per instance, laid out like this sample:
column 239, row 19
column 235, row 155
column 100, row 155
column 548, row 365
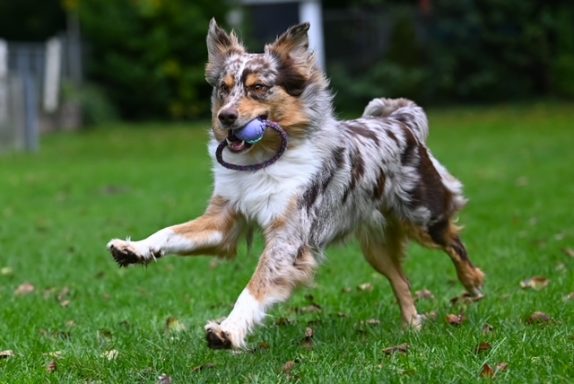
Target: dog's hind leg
column 445, row 235
column 386, row 256
column 213, row 233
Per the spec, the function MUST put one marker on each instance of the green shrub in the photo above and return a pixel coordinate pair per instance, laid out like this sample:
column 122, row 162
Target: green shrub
column 149, row 55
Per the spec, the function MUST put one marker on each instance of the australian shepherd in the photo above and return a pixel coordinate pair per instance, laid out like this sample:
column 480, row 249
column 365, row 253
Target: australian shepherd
column 372, row 177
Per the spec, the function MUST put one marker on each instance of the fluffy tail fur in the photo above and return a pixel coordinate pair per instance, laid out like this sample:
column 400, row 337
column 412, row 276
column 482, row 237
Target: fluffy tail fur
column 403, row 110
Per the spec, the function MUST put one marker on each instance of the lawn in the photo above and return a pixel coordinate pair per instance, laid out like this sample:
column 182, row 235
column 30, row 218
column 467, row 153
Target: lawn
column 69, row 314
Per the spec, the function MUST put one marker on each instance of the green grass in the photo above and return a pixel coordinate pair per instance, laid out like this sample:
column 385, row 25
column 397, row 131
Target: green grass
column 59, row 207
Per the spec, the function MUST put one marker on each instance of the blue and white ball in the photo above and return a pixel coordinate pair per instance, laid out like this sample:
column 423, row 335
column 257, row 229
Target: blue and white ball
column 252, row 132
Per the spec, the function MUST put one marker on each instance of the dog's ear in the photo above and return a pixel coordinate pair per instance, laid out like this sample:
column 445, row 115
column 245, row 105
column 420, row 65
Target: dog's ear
column 219, row 46
column 295, row 61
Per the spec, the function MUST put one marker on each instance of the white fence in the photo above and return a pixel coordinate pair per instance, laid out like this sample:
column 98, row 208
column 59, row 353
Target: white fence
column 30, row 87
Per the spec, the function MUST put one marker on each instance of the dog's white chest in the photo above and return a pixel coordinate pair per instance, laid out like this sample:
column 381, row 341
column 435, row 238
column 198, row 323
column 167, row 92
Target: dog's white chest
column 264, row 195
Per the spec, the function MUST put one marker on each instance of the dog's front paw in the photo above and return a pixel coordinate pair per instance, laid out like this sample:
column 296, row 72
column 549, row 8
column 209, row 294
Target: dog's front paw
column 219, row 338
column 128, row 252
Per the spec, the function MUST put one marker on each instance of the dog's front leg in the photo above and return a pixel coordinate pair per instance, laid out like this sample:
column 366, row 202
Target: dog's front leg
column 215, row 232
column 285, row 262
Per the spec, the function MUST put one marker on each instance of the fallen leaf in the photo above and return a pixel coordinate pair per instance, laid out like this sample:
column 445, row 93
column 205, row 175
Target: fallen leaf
column 568, row 251
column 6, row 271
column 401, row 348
column 432, row 315
column 52, row 366
column 455, row 320
column 373, row 322
column 487, row 371
column 535, row 282
column 465, row 299
column 569, row 297
column 54, row 354
column 70, row 323
column 424, row 294
column 172, row 324
column 288, row 367
column 65, row 303
column 538, row 318
column 263, row 345
column 24, row 289
column 342, row 314
column 365, row 287
column 483, row 347
column 502, row 367
column 105, row 335
column 487, row 328
column 313, row 308
column 6, row 354
column 282, row 321
column 112, row 354
column 308, row 339
column 346, row 290
column 201, row 367
column 164, row 379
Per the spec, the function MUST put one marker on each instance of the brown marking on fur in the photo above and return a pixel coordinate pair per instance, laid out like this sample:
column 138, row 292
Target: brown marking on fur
column 409, row 151
column 229, row 81
column 361, row 130
column 323, row 178
column 379, row 187
column 217, row 218
column 249, row 79
column 357, row 171
column 392, row 136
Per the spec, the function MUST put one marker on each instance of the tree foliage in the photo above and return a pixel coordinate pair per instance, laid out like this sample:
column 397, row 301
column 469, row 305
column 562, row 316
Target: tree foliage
column 149, row 55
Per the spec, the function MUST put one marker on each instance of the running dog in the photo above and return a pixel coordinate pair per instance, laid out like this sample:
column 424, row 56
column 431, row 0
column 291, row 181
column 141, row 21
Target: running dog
column 372, row 177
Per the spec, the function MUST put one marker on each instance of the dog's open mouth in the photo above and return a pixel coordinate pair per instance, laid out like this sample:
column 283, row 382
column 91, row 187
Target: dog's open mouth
column 235, row 144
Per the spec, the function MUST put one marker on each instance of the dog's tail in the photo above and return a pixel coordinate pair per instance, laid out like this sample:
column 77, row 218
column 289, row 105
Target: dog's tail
column 403, row 110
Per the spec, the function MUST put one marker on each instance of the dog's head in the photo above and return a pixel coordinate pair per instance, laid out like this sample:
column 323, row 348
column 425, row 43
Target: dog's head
column 282, row 84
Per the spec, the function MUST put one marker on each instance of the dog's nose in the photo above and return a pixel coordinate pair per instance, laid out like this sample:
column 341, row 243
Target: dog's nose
column 227, row 116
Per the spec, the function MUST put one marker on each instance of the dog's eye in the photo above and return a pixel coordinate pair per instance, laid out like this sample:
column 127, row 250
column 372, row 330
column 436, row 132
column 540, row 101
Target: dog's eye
column 259, row 87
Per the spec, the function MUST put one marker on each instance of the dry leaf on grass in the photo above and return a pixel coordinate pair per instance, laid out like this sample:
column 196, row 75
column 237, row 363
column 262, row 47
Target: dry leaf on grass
column 112, row 354
column 483, row 347
column 487, row 371
column 568, row 251
column 432, row 315
column 52, row 366
column 373, row 322
column 465, row 299
column 365, row 287
column 539, row 318
column 313, row 308
column 6, row 354
column 401, row 348
column 164, row 379
column 535, row 282
column 487, row 328
column 308, row 339
column 569, row 297
column 288, row 367
column 424, row 294
column 24, row 289
column 455, row 320
column 502, row 367
column 172, row 324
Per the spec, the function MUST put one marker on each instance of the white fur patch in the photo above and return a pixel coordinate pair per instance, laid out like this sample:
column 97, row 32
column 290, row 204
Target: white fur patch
column 247, row 312
column 265, row 194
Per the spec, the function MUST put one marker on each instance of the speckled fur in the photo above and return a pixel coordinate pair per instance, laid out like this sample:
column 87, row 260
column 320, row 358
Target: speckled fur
column 373, row 177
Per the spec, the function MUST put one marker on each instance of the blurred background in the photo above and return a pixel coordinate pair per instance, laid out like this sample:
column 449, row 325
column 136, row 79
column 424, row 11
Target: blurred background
column 75, row 64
